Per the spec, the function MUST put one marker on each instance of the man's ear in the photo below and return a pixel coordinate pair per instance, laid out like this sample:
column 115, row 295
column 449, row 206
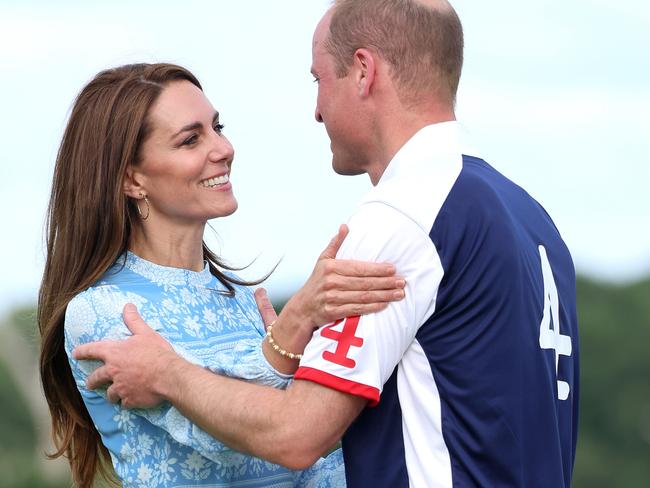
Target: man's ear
column 132, row 185
column 365, row 68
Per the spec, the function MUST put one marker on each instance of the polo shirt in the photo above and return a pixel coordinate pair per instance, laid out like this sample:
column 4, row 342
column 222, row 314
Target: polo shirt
column 472, row 379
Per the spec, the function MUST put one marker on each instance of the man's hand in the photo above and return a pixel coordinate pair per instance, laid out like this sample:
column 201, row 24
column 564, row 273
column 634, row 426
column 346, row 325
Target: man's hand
column 132, row 367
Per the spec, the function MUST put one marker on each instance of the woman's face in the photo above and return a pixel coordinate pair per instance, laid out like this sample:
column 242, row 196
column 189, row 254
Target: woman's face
column 186, row 160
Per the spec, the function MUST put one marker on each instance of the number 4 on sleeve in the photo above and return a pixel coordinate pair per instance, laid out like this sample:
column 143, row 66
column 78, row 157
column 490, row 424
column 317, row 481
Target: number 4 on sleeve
column 551, row 338
column 345, row 340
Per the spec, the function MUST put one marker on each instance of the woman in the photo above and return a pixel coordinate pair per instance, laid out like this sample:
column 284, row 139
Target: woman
column 142, row 166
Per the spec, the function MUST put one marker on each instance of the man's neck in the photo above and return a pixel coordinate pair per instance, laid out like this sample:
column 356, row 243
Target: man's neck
column 396, row 130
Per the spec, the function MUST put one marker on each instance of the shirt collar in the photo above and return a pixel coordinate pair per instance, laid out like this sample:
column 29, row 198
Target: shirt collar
column 430, row 147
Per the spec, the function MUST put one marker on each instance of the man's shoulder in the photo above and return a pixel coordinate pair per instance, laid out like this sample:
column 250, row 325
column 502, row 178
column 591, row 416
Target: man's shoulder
column 380, row 229
column 418, row 188
column 383, row 217
column 485, row 199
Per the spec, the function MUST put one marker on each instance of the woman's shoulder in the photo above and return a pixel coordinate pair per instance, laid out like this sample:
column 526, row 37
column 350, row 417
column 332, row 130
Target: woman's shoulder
column 112, row 285
column 92, row 314
column 96, row 312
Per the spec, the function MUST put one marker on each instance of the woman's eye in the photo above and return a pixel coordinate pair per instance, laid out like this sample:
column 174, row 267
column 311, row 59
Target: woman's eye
column 218, row 128
column 190, row 140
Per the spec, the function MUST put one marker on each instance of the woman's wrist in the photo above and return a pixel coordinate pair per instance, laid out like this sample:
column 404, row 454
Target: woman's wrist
column 294, row 326
column 277, row 347
column 290, row 333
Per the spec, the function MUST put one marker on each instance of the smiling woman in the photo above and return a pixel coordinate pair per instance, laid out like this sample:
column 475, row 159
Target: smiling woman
column 142, row 166
column 184, row 171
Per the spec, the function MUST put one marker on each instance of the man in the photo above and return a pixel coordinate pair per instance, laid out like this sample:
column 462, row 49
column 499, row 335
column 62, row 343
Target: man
column 472, row 379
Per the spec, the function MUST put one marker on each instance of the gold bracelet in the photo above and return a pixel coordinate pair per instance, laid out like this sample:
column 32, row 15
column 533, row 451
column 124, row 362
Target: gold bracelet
column 282, row 352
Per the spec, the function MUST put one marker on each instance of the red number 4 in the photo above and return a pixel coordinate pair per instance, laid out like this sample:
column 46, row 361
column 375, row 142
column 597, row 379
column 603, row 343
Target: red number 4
column 345, row 340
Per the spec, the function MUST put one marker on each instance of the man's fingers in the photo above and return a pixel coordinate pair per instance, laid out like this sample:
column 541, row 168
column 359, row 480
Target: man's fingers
column 334, row 245
column 92, row 350
column 134, row 321
column 265, row 306
column 112, row 395
column 98, row 378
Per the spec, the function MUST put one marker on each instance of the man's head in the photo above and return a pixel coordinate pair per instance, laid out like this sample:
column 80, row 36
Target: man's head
column 421, row 40
column 408, row 53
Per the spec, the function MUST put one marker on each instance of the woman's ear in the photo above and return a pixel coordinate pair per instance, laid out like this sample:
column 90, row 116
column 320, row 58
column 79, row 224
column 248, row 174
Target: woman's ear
column 133, row 184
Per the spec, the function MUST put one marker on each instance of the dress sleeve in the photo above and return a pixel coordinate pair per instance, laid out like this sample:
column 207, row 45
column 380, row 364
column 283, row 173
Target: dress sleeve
column 357, row 355
column 97, row 315
column 246, row 360
column 327, row 472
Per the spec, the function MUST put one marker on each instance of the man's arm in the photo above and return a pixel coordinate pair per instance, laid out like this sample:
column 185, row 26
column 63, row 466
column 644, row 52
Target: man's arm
column 290, row 427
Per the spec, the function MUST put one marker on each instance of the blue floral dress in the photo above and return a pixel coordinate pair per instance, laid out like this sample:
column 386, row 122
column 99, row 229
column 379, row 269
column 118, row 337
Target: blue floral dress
column 159, row 447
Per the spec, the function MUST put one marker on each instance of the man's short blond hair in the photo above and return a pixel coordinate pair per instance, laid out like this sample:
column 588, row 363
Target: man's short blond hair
column 422, row 41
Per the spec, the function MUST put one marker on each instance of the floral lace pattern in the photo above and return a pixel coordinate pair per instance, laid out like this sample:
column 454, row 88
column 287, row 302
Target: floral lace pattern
column 159, row 447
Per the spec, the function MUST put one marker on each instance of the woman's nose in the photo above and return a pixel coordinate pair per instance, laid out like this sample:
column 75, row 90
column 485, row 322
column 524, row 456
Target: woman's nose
column 221, row 148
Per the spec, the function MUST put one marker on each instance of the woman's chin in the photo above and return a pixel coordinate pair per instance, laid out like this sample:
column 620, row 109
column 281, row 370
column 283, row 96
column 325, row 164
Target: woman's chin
column 225, row 211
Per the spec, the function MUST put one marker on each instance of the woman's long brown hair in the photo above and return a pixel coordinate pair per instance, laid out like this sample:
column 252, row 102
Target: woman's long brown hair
column 89, row 224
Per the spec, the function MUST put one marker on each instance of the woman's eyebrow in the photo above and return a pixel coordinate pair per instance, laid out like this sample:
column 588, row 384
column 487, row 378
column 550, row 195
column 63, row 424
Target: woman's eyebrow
column 196, row 125
column 188, row 127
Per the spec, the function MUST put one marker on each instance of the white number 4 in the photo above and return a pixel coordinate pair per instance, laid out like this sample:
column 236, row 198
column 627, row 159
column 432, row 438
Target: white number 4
column 551, row 338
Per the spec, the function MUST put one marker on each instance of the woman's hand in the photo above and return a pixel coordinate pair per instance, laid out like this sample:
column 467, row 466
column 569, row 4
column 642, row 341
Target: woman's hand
column 339, row 288
column 336, row 289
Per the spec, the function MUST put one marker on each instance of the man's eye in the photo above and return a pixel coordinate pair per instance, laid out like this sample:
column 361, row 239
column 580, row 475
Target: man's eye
column 218, row 128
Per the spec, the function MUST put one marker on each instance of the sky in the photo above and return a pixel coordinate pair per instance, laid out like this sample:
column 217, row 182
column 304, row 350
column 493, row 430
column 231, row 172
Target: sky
column 555, row 95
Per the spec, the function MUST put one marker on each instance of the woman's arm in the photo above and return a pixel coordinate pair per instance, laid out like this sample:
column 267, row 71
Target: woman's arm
column 336, row 289
column 95, row 315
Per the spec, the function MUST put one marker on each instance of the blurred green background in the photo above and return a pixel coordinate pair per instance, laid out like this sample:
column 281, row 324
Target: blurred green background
column 614, row 444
